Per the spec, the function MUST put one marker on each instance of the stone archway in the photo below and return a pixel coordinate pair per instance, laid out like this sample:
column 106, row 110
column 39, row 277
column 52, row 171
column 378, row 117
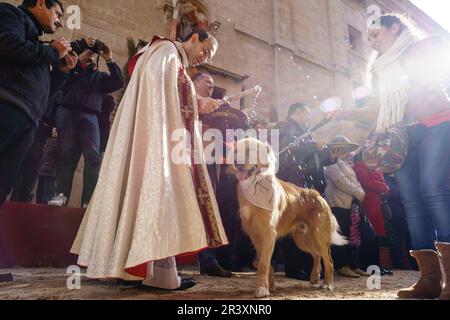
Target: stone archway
column 185, row 16
column 203, row 7
column 193, row 15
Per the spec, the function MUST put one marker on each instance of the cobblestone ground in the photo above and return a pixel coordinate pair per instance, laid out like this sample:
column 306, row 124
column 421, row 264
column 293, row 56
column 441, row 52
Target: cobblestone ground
column 50, row 284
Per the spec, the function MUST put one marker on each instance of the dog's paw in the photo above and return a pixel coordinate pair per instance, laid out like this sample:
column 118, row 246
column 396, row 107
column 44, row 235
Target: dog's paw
column 328, row 287
column 315, row 285
column 262, row 292
column 272, row 286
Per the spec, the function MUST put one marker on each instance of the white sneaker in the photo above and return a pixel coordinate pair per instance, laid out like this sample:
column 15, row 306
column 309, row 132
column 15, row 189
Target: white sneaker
column 58, row 201
column 85, row 205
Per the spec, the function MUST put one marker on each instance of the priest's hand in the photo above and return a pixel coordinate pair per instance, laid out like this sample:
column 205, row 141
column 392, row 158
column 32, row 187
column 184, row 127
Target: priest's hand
column 207, row 105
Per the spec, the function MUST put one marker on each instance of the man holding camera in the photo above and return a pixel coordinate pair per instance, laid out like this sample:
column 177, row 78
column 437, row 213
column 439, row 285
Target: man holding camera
column 301, row 165
column 27, row 68
column 25, row 80
column 79, row 103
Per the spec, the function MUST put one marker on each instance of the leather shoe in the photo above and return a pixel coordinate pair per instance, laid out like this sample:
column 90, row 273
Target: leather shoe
column 216, row 271
column 186, row 283
column 386, row 272
column 347, row 272
column 6, row 277
column 233, row 267
column 361, row 272
column 401, row 267
column 298, row 275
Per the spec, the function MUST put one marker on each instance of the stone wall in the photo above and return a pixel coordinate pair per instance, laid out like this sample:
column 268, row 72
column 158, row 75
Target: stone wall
column 297, row 50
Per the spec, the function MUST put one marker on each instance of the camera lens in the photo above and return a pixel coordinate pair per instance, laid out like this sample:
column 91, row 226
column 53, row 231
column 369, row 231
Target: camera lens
column 79, row 46
column 98, row 46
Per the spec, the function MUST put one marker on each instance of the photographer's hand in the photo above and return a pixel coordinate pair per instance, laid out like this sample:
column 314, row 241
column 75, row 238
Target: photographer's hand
column 69, row 62
column 107, row 54
column 62, row 45
column 90, row 41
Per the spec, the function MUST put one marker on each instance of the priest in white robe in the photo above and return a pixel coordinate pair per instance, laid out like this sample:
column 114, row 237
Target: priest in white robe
column 147, row 208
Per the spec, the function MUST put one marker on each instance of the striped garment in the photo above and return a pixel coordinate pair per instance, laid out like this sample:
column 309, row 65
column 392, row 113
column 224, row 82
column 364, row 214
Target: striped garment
column 355, row 229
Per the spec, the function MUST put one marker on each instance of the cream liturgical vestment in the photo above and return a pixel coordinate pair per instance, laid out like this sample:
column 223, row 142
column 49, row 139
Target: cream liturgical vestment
column 147, row 207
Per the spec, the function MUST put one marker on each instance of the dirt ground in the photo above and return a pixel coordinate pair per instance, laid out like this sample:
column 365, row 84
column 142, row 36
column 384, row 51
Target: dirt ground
column 50, row 284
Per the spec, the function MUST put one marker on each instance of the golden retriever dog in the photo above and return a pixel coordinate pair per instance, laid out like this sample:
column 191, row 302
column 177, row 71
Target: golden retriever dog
column 271, row 209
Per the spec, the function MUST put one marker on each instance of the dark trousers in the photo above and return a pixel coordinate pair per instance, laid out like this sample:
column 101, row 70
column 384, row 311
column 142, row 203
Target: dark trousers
column 240, row 250
column 23, row 191
column 78, row 134
column 343, row 255
column 212, row 172
column 369, row 253
column 207, row 259
column 401, row 243
column 46, row 189
column 295, row 260
column 17, row 134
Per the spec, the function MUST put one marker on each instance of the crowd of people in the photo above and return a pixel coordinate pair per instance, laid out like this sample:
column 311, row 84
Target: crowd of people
column 143, row 210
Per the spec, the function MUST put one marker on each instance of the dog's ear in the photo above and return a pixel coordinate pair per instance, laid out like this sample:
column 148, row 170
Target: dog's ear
column 267, row 155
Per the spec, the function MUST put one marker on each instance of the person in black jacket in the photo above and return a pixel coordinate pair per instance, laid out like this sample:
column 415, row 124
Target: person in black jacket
column 79, row 106
column 25, row 78
column 108, row 106
column 302, row 166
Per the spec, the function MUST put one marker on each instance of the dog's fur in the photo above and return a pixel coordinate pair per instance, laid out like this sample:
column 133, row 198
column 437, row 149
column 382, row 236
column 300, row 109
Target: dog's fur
column 300, row 213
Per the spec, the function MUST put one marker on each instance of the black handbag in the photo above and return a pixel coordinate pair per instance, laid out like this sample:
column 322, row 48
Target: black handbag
column 386, row 209
column 367, row 231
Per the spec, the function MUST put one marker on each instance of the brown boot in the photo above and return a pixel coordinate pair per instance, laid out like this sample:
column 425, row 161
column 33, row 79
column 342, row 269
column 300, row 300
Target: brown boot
column 429, row 284
column 444, row 256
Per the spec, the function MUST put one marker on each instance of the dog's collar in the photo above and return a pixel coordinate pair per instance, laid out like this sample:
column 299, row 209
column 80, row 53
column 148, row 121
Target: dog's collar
column 260, row 191
column 250, row 173
column 254, row 172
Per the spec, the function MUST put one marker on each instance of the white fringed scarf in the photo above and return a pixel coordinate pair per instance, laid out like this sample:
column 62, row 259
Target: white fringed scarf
column 393, row 83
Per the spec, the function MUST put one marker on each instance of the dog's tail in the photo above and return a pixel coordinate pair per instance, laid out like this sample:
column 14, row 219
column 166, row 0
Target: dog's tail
column 336, row 238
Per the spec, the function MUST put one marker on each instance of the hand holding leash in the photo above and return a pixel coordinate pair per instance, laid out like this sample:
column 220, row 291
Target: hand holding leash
column 299, row 140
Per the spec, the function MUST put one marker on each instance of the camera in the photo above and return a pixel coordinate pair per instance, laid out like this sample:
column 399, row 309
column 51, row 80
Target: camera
column 79, row 46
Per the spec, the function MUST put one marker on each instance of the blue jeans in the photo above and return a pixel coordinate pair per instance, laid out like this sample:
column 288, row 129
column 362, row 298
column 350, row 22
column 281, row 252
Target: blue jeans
column 78, row 133
column 424, row 184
